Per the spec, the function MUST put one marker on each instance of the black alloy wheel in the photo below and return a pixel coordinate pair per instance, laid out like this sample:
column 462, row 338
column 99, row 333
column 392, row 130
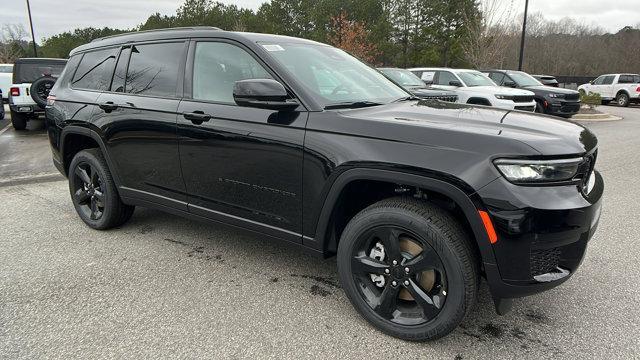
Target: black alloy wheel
column 399, row 275
column 88, row 191
column 409, row 268
column 94, row 192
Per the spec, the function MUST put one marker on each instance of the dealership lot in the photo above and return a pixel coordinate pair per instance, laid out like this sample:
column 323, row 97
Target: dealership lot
column 163, row 286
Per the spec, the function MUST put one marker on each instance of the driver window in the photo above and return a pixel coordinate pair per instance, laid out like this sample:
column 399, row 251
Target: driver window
column 497, row 77
column 445, row 77
column 216, row 68
column 598, row 81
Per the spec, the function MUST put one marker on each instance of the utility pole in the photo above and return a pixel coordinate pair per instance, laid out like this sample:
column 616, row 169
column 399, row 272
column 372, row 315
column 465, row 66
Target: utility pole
column 524, row 31
column 33, row 36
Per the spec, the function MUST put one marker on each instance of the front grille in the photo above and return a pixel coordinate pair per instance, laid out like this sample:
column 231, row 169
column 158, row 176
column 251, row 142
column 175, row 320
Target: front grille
column 522, row 98
column 447, row 98
column 526, row 108
column 544, row 261
column 570, row 108
column 572, row 97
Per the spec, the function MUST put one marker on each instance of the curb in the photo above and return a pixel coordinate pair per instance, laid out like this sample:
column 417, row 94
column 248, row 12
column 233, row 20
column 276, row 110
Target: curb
column 33, row 179
column 595, row 117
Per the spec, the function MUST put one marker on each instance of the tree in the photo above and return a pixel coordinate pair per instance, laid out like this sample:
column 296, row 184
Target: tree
column 351, row 36
column 12, row 45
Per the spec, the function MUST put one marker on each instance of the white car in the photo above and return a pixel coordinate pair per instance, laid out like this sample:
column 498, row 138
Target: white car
column 623, row 88
column 473, row 87
column 6, row 74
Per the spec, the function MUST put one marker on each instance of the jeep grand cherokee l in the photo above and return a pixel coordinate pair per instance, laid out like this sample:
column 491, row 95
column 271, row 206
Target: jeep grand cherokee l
column 418, row 199
column 549, row 100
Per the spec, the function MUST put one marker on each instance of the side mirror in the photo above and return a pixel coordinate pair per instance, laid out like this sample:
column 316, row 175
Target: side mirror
column 455, row 83
column 591, row 82
column 263, row 94
column 509, row 84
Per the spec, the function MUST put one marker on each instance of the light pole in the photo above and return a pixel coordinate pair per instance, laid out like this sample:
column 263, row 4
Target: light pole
column 524, row 31
column 33, row 36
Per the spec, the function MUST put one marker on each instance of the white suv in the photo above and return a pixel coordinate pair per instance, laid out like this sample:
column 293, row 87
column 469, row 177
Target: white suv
column 473, row 87
column 6, row 73
column 623, row 88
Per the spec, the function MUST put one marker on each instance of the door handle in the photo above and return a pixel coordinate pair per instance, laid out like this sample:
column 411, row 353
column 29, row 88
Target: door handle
column 108, row 106
column 197, row 117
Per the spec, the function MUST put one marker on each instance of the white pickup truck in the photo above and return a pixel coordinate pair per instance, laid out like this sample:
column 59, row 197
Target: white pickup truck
column 473, row 87
column 621, row 88
column 32, row 80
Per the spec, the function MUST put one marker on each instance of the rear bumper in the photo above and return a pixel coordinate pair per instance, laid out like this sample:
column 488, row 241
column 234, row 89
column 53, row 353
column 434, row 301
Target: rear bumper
column 27, row 108
column 543, row 234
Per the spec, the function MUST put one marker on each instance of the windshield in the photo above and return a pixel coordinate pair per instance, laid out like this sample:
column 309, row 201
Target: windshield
column 475, row 78
column 30, row 72
column 524, row 79
column 334, row 76
column 403, row 77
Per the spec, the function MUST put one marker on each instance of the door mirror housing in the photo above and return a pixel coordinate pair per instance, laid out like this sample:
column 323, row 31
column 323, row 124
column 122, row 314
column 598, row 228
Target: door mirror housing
column 510, row 84
column 263, row 94
column 455, row 83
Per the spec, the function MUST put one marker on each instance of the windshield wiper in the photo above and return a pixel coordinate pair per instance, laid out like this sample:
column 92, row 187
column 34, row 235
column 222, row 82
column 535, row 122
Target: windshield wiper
column 351, row 105
column 406, row 98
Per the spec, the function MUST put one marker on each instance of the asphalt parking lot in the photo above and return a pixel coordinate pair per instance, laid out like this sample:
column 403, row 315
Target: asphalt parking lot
column 163, row 286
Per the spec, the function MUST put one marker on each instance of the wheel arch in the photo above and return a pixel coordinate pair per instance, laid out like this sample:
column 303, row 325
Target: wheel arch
column 623, row 91
column 77, row 138
column 476, row 100
column 326, row 239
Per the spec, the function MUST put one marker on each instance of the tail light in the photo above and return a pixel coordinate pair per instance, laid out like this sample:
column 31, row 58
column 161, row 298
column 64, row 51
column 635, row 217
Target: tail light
column 14, row 91
column 51, row 99
column 638, row 89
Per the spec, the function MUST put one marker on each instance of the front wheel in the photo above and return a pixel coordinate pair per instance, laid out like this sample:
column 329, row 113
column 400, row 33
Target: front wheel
column 408, row 268
column 539, row 108
column 94, row 193
column 622, row 99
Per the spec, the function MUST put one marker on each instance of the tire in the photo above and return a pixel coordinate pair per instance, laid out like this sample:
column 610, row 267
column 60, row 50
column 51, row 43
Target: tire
column 453, row 284
column 94, row 193
column 539, row 108
column 18, row 120
column 40, row 89
column 622, row 99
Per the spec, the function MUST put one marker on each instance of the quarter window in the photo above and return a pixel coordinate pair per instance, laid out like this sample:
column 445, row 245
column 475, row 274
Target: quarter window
column 95, row 69
column 153, row 69
column 216, row 68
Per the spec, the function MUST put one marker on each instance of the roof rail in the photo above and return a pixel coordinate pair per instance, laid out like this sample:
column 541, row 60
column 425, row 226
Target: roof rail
column 158, row 30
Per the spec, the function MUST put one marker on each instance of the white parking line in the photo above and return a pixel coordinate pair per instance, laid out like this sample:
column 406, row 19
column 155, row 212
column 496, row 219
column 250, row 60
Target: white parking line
column 5, row 129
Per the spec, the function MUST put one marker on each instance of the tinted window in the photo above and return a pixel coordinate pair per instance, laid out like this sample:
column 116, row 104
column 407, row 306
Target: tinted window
column 598, row 81
column 69, row 70
column 31, row 71
column 608, row 80
column 6, row 69
column 121, row 70
column 216, row 68
column 153, row 69
column 629, row 79
column 95, row 69
column 496, row 77
column 445, row 77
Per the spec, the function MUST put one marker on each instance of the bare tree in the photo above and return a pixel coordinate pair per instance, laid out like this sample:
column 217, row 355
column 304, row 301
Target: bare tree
column 11, row 42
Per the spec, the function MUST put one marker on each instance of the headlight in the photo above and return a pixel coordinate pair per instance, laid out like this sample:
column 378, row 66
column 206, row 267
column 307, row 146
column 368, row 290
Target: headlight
column 557, row 96
column 504, row 97
column 538, row 171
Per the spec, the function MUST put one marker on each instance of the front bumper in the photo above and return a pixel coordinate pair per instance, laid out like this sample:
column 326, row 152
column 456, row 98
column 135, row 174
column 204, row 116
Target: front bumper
column 563, row 108
column 512, row 105
column 543, row 234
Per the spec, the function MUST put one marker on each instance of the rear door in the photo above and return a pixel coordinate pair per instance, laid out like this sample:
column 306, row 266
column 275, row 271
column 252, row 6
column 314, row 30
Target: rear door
column 244, row 165
column 137, row 117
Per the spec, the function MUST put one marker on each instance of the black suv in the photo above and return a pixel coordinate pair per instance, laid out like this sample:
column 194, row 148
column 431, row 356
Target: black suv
column 298, row 141
column 413, row 84
column 549, row 100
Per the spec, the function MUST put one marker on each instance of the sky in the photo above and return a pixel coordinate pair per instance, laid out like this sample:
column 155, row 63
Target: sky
column 51, row 17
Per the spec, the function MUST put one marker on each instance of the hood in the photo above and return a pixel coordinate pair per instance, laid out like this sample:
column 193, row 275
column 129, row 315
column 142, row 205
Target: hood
column 424, row 91
column 542, row 89
column 495, row 131
column 496, row 90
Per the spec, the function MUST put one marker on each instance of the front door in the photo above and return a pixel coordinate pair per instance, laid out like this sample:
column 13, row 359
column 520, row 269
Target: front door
column 241, row 165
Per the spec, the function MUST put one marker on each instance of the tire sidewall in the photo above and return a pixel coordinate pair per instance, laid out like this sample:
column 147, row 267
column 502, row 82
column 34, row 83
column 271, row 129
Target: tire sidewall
column 454, row 308
column 624, row 98
column 89, row 157
column 34, row 89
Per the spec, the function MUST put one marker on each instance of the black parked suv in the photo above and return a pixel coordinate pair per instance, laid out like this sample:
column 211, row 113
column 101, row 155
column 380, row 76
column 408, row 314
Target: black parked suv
column 413, row 84
column 298, row 141
column 549, row 100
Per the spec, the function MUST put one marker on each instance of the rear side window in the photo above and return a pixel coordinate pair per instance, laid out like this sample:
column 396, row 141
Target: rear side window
column 95, row 70
column 69, row 70
column 6, row 69
column 629, row 79
column 153, row 69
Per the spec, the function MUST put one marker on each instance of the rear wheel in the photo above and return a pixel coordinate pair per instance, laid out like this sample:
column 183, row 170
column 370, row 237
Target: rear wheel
column 94, row 193
column 622, row 99
column 19, row 120
column 408, row 268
